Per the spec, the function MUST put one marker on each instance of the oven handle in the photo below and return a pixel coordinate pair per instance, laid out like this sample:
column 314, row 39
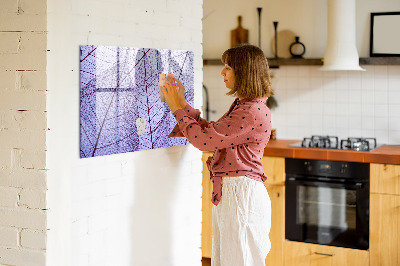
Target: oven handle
column 357, row 185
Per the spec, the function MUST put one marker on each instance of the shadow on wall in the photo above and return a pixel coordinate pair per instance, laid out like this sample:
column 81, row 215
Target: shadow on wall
column 156, row 189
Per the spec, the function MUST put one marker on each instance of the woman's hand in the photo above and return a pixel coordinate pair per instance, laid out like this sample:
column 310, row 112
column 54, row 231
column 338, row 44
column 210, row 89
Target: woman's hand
column 181, row 92
column 174, row 94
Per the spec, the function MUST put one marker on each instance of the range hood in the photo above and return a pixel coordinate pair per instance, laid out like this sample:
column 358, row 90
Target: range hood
column 341, row 51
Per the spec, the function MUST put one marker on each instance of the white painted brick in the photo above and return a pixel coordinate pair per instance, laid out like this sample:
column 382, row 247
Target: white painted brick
column 33, row 239
column 35, row 120
column 33, row 7
column 33, row 159
column 23, row 22
column 8, row 6
column 98, row 222
column 22, row 139
column 196, row 38
column 8, row 237
column 9, row 42
column 31, row 55
column 33, row 43
column 197, row 166
column 16, row 158
column 23, row 100
column 148, row 6
column 168, row 19
column 23, row 257
column 5, row 158
column 190, row 22
column 31, row 80
column 8, row 197
column 24, row 62
column 114, row 186
column 33, row 199
column 176, row 7
column 7, row 79
column 153, row 32
column 97, row 190
column 97, row 252
column 23, row 178
column 22, row 218
column 196, row 11
column 98, row 173
column 80, row 227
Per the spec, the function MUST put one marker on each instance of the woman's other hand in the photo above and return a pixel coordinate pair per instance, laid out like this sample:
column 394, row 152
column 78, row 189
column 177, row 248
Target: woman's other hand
column 174, row 94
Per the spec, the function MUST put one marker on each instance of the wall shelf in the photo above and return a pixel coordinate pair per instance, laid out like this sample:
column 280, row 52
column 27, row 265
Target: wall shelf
column 380, row 61
column 274, row 63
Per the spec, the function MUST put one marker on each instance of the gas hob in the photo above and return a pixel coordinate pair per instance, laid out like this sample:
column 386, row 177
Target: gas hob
column 332, row 142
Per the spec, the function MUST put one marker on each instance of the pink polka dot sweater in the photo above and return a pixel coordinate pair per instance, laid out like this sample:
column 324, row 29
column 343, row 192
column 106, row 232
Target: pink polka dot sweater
column 238, row 139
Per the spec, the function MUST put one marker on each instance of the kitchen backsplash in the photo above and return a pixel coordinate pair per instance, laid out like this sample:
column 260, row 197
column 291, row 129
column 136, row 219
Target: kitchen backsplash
column 314, row 102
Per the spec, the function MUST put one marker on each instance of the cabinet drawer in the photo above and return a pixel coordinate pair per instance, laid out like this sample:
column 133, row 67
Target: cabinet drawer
column 304, row 254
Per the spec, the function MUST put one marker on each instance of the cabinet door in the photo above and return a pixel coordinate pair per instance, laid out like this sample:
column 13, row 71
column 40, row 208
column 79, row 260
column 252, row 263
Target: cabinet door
column 385, row 178
column 277, row 233
column 304, row 254
column 384, row 230
column 274, row 168
column 206, row 232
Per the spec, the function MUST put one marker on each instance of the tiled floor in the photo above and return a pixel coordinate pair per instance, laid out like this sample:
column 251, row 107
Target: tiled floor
column 206, row 261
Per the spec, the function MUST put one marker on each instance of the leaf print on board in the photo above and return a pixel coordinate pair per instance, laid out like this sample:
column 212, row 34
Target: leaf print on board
column 120, row 108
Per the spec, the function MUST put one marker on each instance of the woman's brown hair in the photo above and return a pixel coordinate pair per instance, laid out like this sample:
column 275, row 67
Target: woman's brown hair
column 250, row 66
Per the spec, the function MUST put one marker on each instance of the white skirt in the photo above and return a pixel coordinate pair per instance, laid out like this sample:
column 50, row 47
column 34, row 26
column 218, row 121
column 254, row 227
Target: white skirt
column 241, row 223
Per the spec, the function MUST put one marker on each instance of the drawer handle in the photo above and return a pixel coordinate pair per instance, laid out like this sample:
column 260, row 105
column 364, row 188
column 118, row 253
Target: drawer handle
column 324, row 254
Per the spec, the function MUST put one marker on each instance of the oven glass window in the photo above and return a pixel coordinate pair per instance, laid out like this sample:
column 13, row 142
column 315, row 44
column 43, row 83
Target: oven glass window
column 326, row 207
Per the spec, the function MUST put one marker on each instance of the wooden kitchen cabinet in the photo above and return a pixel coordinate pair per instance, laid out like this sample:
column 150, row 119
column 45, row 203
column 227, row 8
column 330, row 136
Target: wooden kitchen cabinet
column 385, row 215
column 305, row 254
column 384, row 236
column 277, row 233
column 206, row 225
column 385, row 178
column 274, row 168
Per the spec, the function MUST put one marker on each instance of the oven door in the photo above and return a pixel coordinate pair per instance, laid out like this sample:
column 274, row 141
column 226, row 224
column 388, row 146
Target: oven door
column 327, row 213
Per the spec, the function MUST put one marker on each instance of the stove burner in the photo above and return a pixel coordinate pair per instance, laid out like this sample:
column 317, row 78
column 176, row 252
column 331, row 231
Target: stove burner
column 332, row 142
column 358, row 144
column 328, row 142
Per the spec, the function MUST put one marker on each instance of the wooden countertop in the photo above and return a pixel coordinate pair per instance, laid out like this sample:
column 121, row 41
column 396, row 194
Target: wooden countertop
column 389, row 154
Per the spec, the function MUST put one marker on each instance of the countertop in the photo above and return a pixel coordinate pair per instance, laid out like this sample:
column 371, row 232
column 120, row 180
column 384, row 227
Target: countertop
column 388, row 154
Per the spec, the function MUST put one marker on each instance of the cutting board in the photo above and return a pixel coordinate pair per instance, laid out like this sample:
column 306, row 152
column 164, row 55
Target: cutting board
column 239, row 35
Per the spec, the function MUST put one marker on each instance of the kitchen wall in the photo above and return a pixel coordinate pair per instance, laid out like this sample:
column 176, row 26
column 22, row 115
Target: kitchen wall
column 343, row 103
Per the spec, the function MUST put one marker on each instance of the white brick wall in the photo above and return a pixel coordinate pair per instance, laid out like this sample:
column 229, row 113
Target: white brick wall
column 23, row 132
column 140, row 208
column 33, row 239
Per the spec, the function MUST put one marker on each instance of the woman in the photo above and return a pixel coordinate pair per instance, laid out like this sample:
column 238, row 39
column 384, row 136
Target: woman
column 242, row 208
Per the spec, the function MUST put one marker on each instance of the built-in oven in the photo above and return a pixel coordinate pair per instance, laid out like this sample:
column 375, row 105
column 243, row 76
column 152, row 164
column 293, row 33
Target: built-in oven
column 327, row 202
